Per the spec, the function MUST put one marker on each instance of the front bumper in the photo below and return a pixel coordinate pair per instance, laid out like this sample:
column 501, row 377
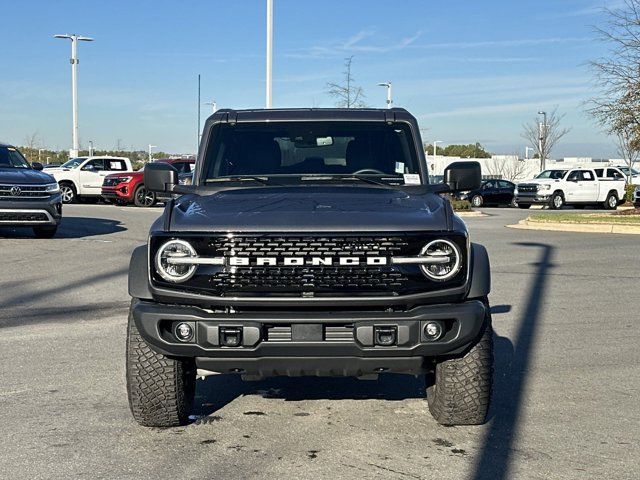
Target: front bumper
column 336, row 343
column 533, row 198
column 29, row 212
column 121, row 191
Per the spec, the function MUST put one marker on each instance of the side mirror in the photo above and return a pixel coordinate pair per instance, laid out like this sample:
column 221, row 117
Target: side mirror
column 160, row 177
column 37, row 166
column 463, row 176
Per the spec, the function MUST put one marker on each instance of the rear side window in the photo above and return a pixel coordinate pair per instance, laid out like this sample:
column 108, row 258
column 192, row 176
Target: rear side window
column 116, row 165
column 587, row 176
column 599, row 172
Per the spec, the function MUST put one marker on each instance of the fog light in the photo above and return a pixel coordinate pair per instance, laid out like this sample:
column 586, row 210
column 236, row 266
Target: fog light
column 432, row 330
column 184, row 332
column 385, row 336
column 230, row 336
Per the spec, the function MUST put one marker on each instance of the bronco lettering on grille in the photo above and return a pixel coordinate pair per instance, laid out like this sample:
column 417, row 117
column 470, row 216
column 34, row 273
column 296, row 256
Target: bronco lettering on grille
column 302, row 261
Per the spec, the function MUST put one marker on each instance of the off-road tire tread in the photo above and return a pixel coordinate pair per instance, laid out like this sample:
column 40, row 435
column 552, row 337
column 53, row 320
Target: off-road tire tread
column 461, row 391
column 160, row 389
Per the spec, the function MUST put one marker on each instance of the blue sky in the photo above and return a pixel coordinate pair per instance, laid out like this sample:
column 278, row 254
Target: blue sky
column 469, row 70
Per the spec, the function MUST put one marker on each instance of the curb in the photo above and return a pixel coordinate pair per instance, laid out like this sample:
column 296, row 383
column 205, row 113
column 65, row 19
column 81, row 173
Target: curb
column 578, row 227
column 471, row 214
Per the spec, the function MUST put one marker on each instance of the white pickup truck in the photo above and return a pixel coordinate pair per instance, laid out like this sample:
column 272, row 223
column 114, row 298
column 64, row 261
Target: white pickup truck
column 83, row 176
column 578, row 187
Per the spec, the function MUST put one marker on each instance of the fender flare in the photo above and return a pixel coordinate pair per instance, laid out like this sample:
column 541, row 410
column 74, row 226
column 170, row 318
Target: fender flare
column 480, row 283
column 138, row 274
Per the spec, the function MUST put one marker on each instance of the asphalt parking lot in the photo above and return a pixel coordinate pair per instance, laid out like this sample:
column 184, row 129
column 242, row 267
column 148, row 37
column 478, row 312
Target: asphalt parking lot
column 565, row 395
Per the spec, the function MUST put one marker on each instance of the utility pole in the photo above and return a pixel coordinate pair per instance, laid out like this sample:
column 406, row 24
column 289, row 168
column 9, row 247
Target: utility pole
column 388, row 86
column 150, row 147
column 435, row 148
column 73, row 152
column 91, row 148
column 269, row 79
column 526, row 152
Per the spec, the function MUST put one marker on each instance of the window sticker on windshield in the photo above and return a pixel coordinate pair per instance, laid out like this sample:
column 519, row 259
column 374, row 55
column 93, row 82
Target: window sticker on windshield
column 399, row 167
column 412, row 179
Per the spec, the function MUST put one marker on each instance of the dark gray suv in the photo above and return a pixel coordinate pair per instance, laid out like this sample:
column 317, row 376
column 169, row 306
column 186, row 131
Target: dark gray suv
column 28, row 196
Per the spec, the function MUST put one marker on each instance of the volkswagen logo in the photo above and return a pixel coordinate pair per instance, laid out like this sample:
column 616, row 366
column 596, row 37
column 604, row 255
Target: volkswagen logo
column 15, row 191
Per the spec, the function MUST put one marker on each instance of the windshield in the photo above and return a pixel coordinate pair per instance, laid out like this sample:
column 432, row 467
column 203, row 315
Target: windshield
column 74, row 162
column 312, row 151
column 625, row 170
column 12, row 158
column 553, row 174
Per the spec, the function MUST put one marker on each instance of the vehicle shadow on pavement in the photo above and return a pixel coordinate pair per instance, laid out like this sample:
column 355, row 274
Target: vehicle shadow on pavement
column 71, row 227
column 219, row 390
column 510, row 378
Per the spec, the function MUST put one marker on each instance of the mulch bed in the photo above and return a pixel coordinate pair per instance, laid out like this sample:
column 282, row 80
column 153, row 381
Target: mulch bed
column 633, row 211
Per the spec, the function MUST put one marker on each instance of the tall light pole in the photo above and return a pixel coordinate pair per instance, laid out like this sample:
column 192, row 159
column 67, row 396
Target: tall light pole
column 269, row 101
column 74, row 86
column 388, row 86
column 214, row 105
column 435, row 148
column 90, row 148
column 150, row 147
column 542, row 140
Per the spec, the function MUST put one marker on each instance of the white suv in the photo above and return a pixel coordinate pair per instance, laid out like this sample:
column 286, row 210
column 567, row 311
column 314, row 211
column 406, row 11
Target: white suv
column 83, row 176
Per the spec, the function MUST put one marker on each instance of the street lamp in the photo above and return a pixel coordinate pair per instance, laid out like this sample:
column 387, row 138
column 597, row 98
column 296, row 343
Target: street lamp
column 388, row 87
column 90, row 148
column 214, row 105
column 150, row 147
column 74, row 86
column 435, row 148
column 526, row 152
column 542, row 139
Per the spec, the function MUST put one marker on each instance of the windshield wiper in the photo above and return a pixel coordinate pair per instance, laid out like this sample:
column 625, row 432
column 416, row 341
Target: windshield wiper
column 242, row 178
column 369, row 180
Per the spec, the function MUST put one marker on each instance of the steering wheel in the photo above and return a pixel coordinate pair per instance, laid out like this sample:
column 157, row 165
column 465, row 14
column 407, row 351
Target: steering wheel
column 368, row 170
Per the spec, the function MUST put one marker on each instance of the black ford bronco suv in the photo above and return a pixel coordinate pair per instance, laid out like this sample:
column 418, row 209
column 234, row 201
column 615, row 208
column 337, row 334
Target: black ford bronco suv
column 28, row 196
column 310, row 243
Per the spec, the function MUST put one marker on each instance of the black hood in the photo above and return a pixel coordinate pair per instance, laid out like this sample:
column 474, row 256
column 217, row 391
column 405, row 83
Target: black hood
column 24, row 176
column 311, row 209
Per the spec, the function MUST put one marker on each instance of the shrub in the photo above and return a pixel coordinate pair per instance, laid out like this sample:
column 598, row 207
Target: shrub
column 628, row 192
column 460, row 205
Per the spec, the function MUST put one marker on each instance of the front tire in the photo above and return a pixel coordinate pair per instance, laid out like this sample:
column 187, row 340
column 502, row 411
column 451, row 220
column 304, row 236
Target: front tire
column 557, row 201
column 160, row 389
column 68, row 193
column 45, row 232
column 477, row 201
column 461, row 391
column 143, row 197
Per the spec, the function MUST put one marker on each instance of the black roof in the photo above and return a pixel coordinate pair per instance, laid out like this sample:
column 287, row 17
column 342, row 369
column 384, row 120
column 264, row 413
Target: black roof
column 311, row 114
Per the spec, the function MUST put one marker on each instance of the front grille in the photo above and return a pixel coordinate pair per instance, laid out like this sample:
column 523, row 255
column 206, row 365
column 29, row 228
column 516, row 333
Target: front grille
column 23, row 217
column 307, row 279
column 111, row 182
column 23, row 191
column 527, row 188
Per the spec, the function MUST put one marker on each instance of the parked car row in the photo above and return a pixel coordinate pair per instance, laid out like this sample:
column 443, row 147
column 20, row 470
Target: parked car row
column 578, row 187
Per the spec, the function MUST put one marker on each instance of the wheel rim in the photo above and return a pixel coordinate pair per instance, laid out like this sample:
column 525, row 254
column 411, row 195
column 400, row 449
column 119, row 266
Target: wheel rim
column 67, row 194
column 477, row 201
column 612, row 201
column 145, row 197
column 557, row 201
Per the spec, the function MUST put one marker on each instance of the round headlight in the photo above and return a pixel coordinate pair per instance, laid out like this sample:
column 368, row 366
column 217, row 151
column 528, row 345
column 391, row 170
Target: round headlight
column 446, row 260
column 175, row 272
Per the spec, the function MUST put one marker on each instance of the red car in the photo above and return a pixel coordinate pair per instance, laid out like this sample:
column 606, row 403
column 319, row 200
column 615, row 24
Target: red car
column 128, row 187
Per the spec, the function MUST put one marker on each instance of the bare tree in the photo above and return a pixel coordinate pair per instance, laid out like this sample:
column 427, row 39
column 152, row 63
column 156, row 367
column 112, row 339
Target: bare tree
column 545, row 137
column 507, row 167
column 347, row 94
column 617, row 107
column 32, row 140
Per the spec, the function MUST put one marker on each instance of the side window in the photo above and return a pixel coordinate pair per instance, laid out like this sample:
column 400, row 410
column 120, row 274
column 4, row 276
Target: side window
column 574, row 176
column 504, row 184
column 599, row 172
column 95, row 165
column 587, row 176
column 116, row 165
column 490, row 185
column 615, row 174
